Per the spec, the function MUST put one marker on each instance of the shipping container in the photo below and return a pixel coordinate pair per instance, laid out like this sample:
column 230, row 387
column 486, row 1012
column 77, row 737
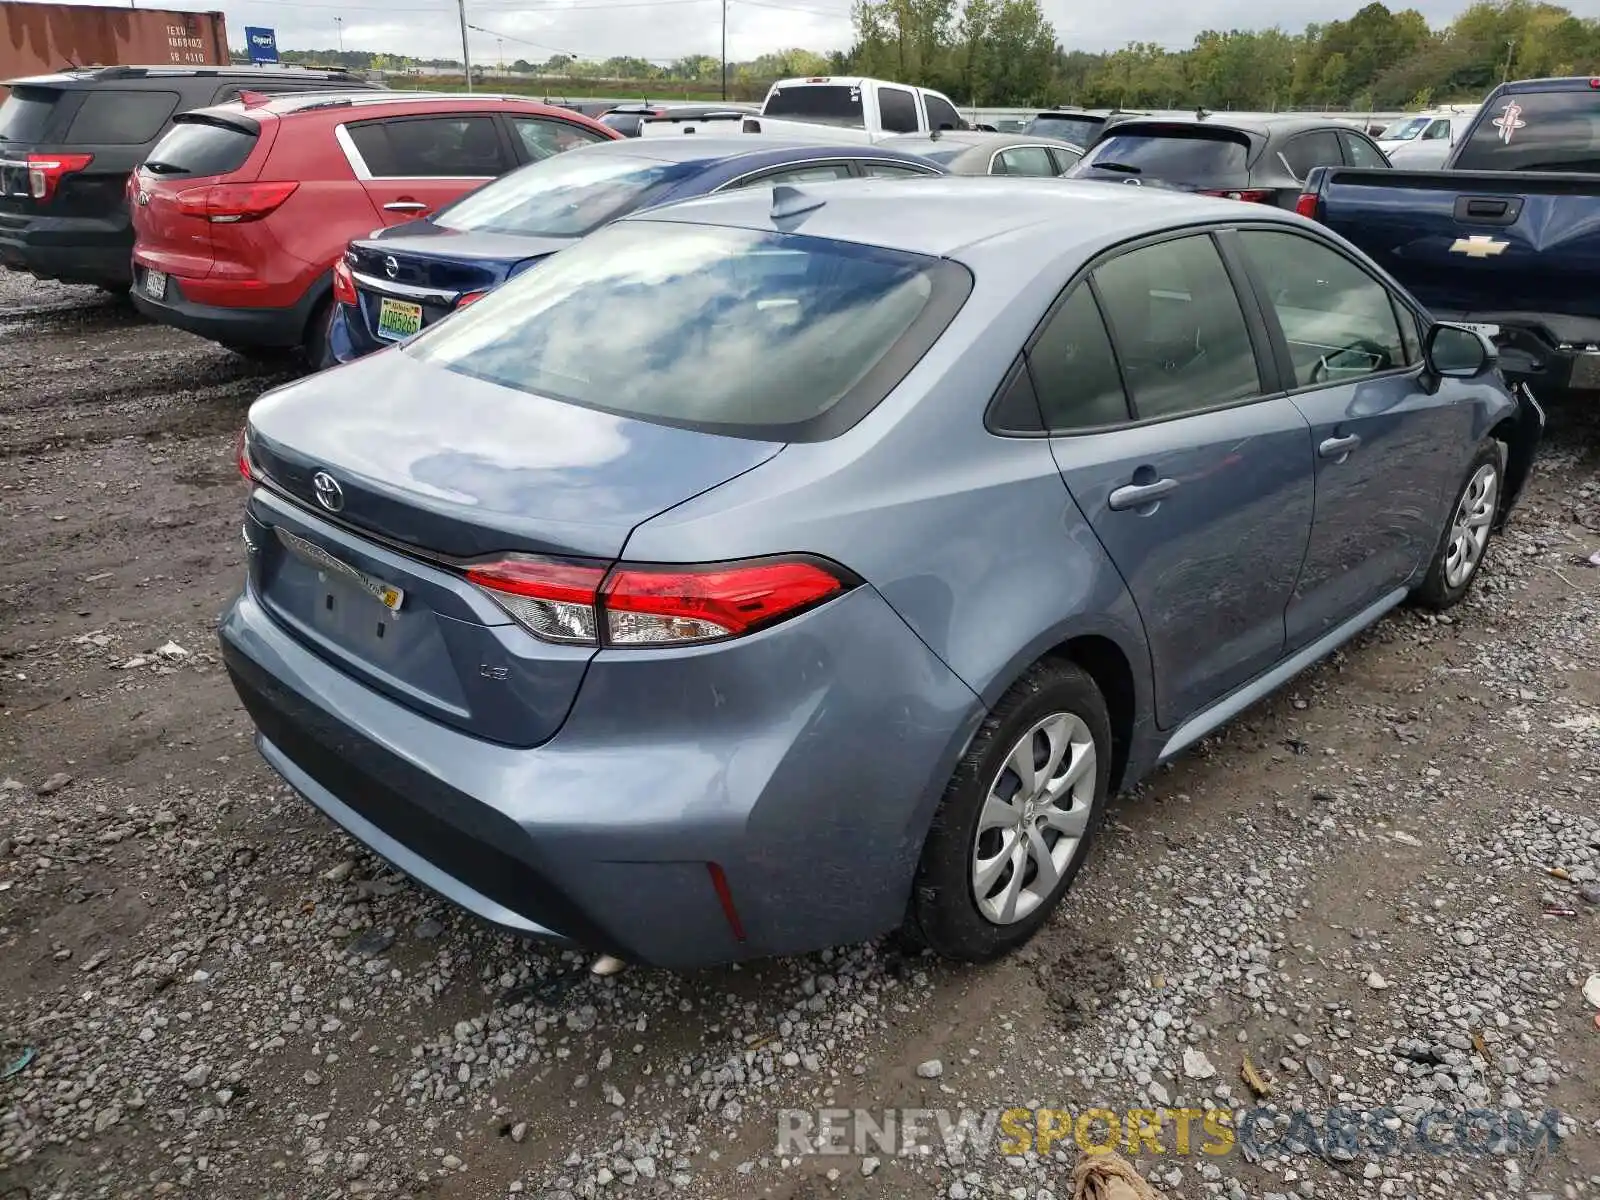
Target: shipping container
column 41, row 38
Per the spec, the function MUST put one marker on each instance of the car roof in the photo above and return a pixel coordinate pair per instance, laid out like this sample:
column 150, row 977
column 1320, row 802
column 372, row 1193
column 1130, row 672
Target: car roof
column 700, row 148
column 977, row 139
column 1262, row 125
column 287, row 104
column 955, row 214
column 127, row 74
column 1552, row 83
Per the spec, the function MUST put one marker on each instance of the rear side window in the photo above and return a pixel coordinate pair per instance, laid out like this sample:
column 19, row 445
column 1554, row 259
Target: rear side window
column 200, row 147
column 541, row 138
column 1065, row 159
column 1074, row 371
column 25, row 115
column 897, row 110
column 121, row 118
column 442, row 147
column 670, row 322
column 941, row 113
column 800, row 173
column 1179, row 332
column 1535, row 131
column 1311, row 150
column 1359, row 152
column 822, row 103
column 1193, row 156
column 1024, row 160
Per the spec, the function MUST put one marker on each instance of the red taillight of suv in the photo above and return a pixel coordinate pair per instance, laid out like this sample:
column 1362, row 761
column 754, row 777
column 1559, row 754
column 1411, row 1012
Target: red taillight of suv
column 1307, row 205
column 1249, row 195
column 231, row 203
column 652, row 605
column 45, row 171
column 344, row 284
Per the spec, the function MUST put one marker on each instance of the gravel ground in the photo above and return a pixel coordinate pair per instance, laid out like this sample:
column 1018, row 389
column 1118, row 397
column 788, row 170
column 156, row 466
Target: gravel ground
column 223, row 996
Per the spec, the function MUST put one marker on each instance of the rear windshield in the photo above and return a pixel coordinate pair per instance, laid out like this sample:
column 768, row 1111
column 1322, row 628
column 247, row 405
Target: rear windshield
column 733, row 331
column 1078, row 130
column 565, row 195
column 198, row 147
column 1189, row 156
column 25, row 115
column 822, row 103
column 1536, row 131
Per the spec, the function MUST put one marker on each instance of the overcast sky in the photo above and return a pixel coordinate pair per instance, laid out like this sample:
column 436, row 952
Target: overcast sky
column 662, row 30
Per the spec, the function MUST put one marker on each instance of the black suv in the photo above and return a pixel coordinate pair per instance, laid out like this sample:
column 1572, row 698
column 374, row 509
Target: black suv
column 69, row 141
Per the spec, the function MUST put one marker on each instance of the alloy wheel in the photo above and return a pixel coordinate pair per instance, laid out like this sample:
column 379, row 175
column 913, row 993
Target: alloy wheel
column 1034, row 817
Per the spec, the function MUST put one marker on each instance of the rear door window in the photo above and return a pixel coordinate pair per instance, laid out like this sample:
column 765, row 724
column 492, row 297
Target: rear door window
column 200, row 147
column 669, row 322
column 1319, row 148
column 941, row 113
column 820, row 103
column 1198, row 157
column 439, row 147
column 1024, row 160
column 1179, row 332
column 109, row 117
column 25, row 115
column 1065, row 159
column 1359, row 152
column 897, row 110
column 1074, row 372
column 1535, row 131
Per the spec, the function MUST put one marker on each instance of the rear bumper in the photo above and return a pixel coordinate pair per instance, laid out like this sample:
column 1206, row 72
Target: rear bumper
column 348, row 337
column 267, row 328
column 71, row 249
column 805, row 762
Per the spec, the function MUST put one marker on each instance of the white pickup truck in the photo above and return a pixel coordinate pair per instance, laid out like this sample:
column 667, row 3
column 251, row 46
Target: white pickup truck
column 828, row 107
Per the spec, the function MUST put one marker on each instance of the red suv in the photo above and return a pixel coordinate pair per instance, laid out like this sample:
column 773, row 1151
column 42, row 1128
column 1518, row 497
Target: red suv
column 241, row 210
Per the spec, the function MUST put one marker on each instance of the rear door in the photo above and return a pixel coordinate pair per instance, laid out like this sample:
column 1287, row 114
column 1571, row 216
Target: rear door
column 1193, row 471
column 1387, row 449
column 413, row 165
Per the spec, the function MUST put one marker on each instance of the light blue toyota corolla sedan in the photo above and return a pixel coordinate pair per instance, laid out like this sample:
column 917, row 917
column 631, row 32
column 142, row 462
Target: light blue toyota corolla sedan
column 772, row 570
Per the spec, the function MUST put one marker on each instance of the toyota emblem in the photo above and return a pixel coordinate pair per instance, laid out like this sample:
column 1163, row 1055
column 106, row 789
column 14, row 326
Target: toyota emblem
column 391, row 268
column 329, row 494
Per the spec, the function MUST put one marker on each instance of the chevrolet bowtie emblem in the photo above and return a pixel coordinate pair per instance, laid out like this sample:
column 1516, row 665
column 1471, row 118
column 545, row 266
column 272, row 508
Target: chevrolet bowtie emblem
column 1479, row 245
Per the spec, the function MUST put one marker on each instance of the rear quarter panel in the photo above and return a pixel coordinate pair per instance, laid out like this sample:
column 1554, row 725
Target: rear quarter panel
column 330, row 207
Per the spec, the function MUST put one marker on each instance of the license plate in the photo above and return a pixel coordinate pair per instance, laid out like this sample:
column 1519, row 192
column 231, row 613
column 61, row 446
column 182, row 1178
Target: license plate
column 1585, row 373
column 155, row 285
column 398, row 318
column 386, row 594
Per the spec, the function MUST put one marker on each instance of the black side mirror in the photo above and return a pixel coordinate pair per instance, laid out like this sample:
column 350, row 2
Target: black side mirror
column 1456, row 352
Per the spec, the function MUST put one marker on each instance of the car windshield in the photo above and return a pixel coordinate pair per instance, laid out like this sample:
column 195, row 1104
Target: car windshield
column 566, row 195
column 819, row 103
column 673, row 322
column 1536, row 131
column 1404, row 130
column 1185, row 156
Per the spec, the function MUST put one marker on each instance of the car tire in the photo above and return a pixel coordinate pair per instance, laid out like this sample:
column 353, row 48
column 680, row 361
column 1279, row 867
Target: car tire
column 1468, row 528
column 314, row 350
column 978, row 890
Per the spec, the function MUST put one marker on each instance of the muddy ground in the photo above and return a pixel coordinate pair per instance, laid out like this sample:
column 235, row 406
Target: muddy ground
column 206, row 990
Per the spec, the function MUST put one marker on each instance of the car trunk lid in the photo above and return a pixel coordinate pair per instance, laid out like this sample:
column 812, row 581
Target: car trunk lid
column 392, row 474
column 198, row 151
column 424, row 275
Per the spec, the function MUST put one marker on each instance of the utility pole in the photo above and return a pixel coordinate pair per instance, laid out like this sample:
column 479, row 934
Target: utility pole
column 500, row 55
column 1505, row 72
column 338, row 23
column 724, row 49
column 466, row 55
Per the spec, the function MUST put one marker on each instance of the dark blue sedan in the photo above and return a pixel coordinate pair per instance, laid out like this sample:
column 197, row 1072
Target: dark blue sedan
column 401, row 279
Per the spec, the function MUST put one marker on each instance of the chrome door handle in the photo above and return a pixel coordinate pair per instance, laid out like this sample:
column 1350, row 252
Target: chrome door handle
column 1338, row 447
column 1137, row 495
column 404, row 205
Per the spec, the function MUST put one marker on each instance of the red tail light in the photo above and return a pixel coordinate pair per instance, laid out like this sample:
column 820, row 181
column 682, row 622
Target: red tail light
column 470, row 298
column 242, row 456
column 1307, row 205
column 1250, row 195
column 229, row 203
column 45, row 171
column 636, row 605
column 344, row 283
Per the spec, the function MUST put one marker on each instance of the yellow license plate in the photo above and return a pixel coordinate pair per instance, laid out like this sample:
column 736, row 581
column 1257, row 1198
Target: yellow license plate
column 398, row 318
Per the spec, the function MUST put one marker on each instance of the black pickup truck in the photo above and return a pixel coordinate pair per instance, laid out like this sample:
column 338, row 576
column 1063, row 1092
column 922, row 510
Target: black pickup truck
column 1506, row 237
